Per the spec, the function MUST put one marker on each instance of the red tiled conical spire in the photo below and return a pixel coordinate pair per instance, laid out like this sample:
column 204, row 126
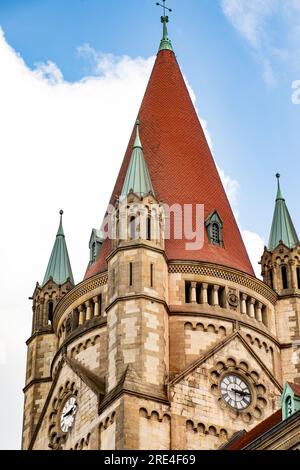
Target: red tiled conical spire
column 181, row 166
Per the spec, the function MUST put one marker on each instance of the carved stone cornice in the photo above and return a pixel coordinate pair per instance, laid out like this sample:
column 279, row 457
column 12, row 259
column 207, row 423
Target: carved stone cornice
column 37, row 381
column 126, row 298
column 136, row 245
column 80, row 290
column 226, row 274
column 47, row 330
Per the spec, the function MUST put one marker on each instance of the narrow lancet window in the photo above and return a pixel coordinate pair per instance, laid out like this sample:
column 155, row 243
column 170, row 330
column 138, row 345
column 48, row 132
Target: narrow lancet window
column 50, row 313
column 130, row 274
column 298, row 277
column 151, row 274
column 148, row 229
column 132, row 228
column 284, row 277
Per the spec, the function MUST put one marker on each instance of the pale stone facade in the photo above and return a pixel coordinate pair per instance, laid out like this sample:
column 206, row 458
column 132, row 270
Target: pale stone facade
column 143, row 348
column 150, row 352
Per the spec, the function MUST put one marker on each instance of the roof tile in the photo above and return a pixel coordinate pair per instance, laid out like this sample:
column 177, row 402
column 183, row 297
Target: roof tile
column 181, row 166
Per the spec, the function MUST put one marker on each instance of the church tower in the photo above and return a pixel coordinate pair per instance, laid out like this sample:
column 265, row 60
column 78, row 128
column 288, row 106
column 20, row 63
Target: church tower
column 42, row 344
column 281, row 271
column 170, row 342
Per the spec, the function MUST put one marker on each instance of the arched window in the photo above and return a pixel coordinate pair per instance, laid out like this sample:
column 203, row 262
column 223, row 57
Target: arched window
column 50, row 313
column 132, row 228
column 215, row 234
column 284, row 277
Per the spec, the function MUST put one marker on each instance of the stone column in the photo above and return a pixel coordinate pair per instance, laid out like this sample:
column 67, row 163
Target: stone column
column 251, row 308
column 96, row 306
column 40, row 323
column 203, row 295
column 244, row 304
column 193, row 293
column 276, row 275
column 81, row 315
column 215, row 298
column 293, row 274
column 259, row 312
column 88, row 314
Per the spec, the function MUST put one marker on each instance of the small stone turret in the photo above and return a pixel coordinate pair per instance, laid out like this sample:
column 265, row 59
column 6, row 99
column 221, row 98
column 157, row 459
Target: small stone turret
column 281, row 259
column 281, row 271
column 58, row 280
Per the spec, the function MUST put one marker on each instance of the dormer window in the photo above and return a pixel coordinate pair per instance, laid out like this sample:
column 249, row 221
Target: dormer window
column 214, row 227
column 95, row 245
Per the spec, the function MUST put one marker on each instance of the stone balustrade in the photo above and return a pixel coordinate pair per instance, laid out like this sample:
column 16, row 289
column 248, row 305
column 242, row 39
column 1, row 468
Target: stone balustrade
column 80, row 315
column 215, row 295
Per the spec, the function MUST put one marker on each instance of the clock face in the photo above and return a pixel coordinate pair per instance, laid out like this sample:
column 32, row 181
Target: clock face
column 235, row 391
column 68, row 413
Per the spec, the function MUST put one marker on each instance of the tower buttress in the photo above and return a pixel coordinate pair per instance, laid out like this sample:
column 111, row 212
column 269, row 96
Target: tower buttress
column 137, row 318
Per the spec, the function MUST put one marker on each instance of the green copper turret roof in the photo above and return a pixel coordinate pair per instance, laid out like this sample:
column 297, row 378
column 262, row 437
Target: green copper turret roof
column 137, row 179
column 283, row 229
column 59, row 266
column 165, row 43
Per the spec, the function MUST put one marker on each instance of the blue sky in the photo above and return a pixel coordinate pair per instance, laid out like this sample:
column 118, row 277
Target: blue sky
column 254, row 127
column 72, row 76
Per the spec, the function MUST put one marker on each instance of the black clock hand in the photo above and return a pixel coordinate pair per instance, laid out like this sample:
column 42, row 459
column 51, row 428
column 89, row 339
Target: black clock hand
column 69, row 412
column 245, row 394
column 240, row 392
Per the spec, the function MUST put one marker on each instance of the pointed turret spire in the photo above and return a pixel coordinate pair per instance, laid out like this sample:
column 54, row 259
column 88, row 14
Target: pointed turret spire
column 60, row 228
column 279, row 193
column 137, row 178
column 175, row 150
column 283, row 229
column 165, row 43
column 137, row 142
column 59, row 266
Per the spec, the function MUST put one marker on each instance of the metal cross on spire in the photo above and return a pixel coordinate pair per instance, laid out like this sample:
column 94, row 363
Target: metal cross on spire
column 164, row 7
column 165, row 43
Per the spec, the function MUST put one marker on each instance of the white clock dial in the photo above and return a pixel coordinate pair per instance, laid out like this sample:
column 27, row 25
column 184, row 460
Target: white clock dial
column 68, row 413
column 235, row 391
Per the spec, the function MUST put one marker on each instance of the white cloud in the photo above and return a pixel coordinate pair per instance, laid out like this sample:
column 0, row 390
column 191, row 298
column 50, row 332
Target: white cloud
column 253, row 241
column 231, row 187
column 49, row 129
column 255, row 247
column 249, row 17
column 49, row 72
column 272, row 29
column 206, row 132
